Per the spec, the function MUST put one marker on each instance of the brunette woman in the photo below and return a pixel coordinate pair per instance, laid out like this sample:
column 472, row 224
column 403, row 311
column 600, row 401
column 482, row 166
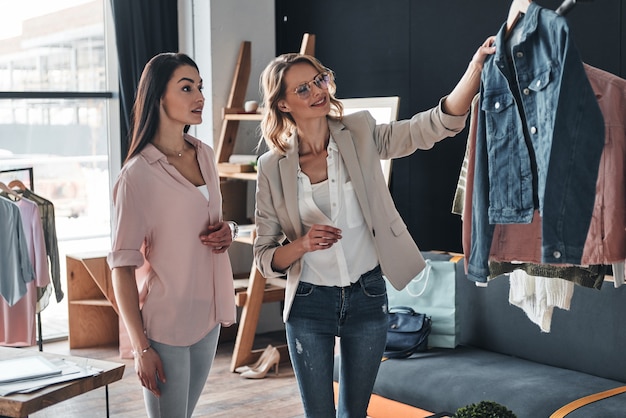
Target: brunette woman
column 166, row 198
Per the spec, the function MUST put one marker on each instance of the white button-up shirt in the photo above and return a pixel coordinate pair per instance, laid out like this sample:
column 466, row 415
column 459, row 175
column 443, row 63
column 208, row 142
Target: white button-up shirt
column 334, row 202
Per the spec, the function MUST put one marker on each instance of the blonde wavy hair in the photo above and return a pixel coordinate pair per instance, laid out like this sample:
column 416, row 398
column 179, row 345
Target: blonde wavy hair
column 277, row 126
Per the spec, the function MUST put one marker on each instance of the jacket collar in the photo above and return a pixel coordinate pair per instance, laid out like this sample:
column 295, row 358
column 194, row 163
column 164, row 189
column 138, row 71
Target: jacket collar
column 526, row 26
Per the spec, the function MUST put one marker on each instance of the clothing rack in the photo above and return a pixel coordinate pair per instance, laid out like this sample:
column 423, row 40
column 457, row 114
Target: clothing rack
column 31, row 184
column 568, row 5
column 30, row 175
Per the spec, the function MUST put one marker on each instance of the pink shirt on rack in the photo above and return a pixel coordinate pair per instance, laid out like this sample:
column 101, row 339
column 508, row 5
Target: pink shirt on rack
column 188, row 289
column 18, row 327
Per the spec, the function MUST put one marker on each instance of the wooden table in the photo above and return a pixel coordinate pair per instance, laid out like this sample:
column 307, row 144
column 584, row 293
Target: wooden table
column 20, row 405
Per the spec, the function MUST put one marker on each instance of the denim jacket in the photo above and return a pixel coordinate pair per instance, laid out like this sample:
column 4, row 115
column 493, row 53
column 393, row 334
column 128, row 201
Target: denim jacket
column 539, row 140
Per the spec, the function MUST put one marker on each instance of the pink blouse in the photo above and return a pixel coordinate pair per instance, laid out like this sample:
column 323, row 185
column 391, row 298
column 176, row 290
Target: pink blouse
column 17, row 320
column 188, row 289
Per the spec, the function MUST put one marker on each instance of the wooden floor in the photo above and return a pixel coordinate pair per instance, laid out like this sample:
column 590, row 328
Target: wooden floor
column 226, row 394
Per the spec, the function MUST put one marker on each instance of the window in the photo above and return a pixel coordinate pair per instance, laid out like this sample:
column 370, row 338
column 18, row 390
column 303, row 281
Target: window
column 55, row 117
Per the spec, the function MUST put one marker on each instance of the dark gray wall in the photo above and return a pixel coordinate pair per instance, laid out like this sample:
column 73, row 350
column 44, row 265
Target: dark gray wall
column 418, row 50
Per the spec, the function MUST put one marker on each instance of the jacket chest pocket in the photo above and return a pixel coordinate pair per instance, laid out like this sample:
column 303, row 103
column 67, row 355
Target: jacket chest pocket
column 542, row 91
column 499, row 110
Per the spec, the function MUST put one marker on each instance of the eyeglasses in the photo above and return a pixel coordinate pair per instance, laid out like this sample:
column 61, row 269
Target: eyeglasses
column 321, row 81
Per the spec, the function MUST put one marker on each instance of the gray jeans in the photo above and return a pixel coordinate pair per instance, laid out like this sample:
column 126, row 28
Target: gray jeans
column 186, row 369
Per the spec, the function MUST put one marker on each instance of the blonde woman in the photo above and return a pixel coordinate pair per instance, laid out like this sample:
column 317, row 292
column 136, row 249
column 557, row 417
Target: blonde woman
column 322, row 188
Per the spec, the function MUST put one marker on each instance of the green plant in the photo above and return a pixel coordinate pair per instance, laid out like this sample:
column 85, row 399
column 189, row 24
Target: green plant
column 484, row 409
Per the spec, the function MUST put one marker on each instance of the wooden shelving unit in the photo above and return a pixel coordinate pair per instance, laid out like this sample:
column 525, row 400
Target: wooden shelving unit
column 92, row 310
column 250, row 295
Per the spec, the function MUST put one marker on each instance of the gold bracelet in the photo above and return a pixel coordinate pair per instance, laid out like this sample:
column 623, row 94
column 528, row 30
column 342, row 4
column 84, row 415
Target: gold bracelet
column 142, row 352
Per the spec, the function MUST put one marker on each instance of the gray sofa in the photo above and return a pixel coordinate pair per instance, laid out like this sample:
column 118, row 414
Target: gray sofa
column 504, row 357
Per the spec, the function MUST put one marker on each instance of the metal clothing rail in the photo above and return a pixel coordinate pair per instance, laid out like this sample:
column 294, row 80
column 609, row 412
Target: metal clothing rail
column 30, row 175
column 31, row 184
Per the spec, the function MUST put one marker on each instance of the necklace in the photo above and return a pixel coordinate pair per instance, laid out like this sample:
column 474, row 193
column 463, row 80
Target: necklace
column 171, row 152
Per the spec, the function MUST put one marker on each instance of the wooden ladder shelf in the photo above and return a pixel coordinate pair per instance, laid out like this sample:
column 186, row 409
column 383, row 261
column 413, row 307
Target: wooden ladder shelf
column 258, row 290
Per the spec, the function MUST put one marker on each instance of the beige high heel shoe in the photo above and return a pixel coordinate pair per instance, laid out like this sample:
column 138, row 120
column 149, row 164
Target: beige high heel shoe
column 260, row 360
column 260, row 372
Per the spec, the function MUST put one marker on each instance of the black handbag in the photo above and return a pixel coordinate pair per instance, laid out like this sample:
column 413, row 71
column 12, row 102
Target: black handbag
column 407, row 332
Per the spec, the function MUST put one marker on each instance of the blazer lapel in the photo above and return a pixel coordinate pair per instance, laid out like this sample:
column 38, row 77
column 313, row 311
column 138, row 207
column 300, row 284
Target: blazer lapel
column 288, row 167
column 343, row 138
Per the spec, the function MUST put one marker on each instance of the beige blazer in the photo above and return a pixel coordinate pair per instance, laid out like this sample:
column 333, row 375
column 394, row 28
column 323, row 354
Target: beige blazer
column 362, row 144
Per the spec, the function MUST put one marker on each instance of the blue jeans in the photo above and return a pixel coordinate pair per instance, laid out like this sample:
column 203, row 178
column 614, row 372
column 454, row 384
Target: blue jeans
column 358, row 315
column 186, row 369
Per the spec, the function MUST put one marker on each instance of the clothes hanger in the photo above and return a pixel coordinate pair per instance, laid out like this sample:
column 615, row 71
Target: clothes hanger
column 515, row 11
column 568, row 5
column 9, row 191
column 17, row 184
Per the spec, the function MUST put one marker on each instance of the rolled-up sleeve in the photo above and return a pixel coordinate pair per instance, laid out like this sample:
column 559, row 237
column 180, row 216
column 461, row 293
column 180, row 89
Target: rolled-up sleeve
column 130, row 229
column 454, row 124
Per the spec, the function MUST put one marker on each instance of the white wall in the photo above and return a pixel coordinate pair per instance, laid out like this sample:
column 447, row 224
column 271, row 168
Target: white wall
column 211, row 32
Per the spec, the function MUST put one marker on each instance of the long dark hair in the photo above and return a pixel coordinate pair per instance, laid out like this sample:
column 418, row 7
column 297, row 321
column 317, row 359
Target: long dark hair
column 152, row 84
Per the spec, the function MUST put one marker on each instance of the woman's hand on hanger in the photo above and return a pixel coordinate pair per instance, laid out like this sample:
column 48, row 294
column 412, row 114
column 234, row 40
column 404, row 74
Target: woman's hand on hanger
column 484, row 50
column 459, row 100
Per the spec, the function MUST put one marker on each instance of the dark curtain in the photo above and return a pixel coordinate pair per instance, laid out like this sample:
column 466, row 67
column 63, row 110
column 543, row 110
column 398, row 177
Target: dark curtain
column 143, row 28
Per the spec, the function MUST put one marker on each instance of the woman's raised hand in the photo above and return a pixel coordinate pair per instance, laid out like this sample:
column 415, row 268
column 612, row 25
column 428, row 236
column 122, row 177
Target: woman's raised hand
column 487, row 48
